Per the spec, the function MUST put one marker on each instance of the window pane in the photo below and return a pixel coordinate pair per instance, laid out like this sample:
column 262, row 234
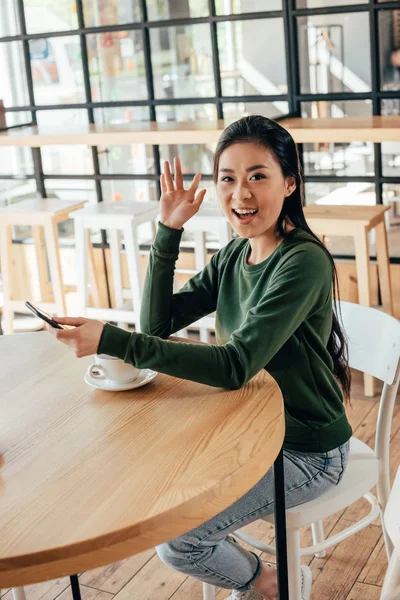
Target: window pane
column 391, row 197
column 182, row 61
column 391, row 159
column 390, row 106
column 128, row 159
column 67, row 160
column 57, row 70
column 121, row 114
column 14, row 89
column 15, row 160
column 323, row 3
column 60, row 118
column 13, row 189
column 134, row 190
column 104, row 12
column 389, row 49
column 72, row 189
column 195, row 158
column 47, row 15
column 116, row 65
column 272, row 110
column 8, row 18
column 190, row 112
column 329, row 53
column 246, row 68
column 18, row 118
column 165, row 9
column 336, row 109
column 227, row 7
column 340, row 194
column 352, row 159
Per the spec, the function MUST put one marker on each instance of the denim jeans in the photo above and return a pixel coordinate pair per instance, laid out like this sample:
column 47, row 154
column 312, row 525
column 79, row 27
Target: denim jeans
column 211, row 555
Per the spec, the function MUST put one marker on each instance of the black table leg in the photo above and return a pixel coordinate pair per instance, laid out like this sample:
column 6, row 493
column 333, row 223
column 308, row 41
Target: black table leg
column 280, row 529
column 76, row 592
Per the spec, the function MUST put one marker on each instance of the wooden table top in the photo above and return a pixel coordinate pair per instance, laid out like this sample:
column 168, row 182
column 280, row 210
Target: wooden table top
column 346, row 129
column 88, row 477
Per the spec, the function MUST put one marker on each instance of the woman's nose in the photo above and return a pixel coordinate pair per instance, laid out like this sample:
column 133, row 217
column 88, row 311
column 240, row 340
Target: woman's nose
column 241, row 192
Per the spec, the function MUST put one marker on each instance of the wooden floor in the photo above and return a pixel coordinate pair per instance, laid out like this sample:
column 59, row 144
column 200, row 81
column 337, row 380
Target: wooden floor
column 353, row 570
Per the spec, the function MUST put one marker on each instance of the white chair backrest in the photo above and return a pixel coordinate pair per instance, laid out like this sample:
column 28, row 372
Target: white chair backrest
column 374, row 340
column 392, row 513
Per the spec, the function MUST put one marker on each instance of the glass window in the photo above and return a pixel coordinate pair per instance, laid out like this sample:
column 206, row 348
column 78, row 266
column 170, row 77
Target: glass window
column 15, row 160
column 326, row 158
column 336, row 109
column 391, row 197
column 246, row 67
column 329, row 53
column 107, row 12
column 116, row 65
column 390, row 106
column 165, row 9
column 57, row 70
column 195, row 158
column 14, row 89
column 389, row 49
column 9, row 18
column 62, row 118
column 128, row 159
column 72, row 189
column 228, row 7
column 18, row 118
column 324, row 3
column 188, row 112
column 134, row 190
column 272, row 110
column 390, row 159
column 121, row 114
column 47, row 15
column 67, row 160
column 182, row 61
column 13, row 189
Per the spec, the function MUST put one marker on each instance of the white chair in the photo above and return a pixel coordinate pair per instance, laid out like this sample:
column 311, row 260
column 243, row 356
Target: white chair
column 115, row 217
column 391, row 585
column 374, row 348
column 206, row 220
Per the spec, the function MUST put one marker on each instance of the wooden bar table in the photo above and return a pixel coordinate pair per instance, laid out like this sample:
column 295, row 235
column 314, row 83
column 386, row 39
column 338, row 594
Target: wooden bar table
column 89, row 477
column 346, row 129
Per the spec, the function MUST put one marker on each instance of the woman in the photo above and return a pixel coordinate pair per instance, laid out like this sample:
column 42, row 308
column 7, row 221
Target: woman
column 272, row 293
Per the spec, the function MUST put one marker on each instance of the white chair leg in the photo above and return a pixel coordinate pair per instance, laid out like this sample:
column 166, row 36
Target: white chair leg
column 318, row 536
column 293, row 552
column 208, row 591
column 18, row 593
column 392, row 578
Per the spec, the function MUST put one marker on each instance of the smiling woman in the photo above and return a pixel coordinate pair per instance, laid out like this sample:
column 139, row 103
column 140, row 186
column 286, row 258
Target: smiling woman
column 271, row 290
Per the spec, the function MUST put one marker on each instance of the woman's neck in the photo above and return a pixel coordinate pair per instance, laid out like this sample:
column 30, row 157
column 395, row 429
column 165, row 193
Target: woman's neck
column 264, row 245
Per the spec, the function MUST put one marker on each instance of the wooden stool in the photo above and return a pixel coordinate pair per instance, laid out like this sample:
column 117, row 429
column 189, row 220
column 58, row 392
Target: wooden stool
column 206, row 220
column 115, row 217
column 43, row 214
column 357, row 222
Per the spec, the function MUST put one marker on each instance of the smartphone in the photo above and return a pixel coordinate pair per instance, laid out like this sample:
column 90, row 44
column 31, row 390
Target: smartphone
column 44, row 316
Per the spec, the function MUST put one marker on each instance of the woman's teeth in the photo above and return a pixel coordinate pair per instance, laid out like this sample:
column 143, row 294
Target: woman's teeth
column 243, row 213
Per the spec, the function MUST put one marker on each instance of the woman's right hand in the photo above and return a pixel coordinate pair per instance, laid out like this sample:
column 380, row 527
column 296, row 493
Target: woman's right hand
column 177, row 204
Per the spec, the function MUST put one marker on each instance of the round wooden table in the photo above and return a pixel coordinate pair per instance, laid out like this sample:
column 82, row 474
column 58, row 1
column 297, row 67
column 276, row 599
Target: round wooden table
column 89, row 477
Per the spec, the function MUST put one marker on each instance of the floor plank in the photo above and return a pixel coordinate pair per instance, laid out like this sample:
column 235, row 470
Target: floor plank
column 362, row 591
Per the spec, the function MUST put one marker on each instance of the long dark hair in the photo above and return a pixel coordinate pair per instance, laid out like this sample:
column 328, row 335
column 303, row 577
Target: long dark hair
column 276, row 139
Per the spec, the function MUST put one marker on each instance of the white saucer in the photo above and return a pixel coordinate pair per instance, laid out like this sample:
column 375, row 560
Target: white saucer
column 145, row 376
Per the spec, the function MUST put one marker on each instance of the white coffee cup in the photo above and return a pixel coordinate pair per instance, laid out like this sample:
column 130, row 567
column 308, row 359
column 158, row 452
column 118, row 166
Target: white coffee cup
column 113, row 369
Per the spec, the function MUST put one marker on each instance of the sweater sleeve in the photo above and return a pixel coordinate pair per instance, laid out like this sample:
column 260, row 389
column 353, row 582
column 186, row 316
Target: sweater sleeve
column 163, row 312
column 299, row 287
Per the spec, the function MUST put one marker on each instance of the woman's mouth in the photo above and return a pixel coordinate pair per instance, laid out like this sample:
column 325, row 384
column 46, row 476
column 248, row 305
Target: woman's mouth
column 244, row 215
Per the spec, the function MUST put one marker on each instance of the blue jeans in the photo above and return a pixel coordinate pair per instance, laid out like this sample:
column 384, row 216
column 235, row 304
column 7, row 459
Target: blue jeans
column 210, row 554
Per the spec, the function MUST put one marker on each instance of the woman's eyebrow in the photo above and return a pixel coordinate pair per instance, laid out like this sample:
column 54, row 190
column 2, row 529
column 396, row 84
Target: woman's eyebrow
column 252, row 168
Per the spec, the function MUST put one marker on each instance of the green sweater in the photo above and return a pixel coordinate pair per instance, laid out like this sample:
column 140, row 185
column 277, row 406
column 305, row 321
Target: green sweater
column 275, row 315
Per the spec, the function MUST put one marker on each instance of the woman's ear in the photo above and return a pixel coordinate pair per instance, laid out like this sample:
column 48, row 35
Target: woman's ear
column 290, row 186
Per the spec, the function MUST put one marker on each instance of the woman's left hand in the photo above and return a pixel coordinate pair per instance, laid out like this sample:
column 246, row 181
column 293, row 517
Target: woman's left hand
column 84, row 339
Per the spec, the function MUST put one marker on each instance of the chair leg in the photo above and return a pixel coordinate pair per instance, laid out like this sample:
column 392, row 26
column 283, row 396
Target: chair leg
column 293, row 551
column 18, row 593
column 392, row 578
column 208, row 591
column 318, row 536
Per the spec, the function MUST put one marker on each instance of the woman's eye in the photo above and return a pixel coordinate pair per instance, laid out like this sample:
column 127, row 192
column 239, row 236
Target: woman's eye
column 226, row 178
column 257, row 176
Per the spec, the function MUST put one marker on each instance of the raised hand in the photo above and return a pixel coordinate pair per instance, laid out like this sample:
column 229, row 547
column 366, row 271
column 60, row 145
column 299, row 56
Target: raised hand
column 177, row 204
